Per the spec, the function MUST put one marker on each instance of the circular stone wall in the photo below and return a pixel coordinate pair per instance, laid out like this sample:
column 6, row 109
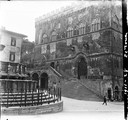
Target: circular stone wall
column 31, row 110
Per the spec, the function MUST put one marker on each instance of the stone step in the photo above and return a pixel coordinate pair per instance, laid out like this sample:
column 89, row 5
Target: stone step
column 77, row 91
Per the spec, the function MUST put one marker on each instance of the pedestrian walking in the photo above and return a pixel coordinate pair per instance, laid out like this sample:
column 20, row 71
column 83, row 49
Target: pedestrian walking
column 54, row 87
column 105, row 100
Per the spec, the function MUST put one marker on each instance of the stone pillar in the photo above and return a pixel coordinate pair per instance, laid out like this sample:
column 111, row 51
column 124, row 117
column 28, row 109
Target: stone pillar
column 24, row 86
column 11, row 86
column 20, row 86
column 1, row 87
column 39, row 82
column 34, row 85
column 120, row 95
column 14, row 87
column 31, row 86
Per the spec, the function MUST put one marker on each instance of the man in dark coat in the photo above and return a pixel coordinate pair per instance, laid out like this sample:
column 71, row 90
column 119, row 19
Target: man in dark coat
column 105, row 101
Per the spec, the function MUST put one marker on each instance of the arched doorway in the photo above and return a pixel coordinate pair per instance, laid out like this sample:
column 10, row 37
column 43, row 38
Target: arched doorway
column 82, row 67
column 35, row 76
column 44, row 81
column 109, row 94
column 57, row 65
column 116, row 93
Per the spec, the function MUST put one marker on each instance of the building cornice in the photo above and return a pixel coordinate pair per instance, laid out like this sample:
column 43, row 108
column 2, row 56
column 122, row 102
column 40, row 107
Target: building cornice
column 14, row 33
column 87, row 55
column 72, row 8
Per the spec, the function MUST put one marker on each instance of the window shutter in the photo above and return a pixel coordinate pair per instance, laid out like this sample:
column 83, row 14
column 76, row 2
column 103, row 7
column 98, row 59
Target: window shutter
column 12, row 56
column 13, row 41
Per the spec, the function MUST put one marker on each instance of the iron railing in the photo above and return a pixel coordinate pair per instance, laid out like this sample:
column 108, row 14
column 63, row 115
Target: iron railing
column 25, row 98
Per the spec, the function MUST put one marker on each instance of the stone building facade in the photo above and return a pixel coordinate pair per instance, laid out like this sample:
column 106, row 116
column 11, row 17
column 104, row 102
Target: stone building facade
column 10, row 51
column 84, row 42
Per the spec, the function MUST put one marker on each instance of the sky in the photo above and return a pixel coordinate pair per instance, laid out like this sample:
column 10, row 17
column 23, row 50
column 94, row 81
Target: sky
column 19, row 16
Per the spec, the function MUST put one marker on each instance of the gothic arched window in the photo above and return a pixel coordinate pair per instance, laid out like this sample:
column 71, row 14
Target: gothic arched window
column 58, row 36
column 69, row 32
column 54, row 35
column 44, row 38
column 82, row 29
column 95, row 25
column 76, row 31
column 63, row 35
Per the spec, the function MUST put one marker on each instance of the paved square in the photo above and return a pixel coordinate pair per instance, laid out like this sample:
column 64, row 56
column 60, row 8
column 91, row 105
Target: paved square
column 78, row 109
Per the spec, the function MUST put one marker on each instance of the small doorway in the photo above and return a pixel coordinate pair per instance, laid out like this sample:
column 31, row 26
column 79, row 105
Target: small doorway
column 82, row 67
column 44, row 81
column 35, row 76
column 52, row 64
column 109, row 94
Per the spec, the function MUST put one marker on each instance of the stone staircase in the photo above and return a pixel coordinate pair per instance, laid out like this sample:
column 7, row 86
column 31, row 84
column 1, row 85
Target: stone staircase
column 74, row 89
column 92, row 90
column 55, row 72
